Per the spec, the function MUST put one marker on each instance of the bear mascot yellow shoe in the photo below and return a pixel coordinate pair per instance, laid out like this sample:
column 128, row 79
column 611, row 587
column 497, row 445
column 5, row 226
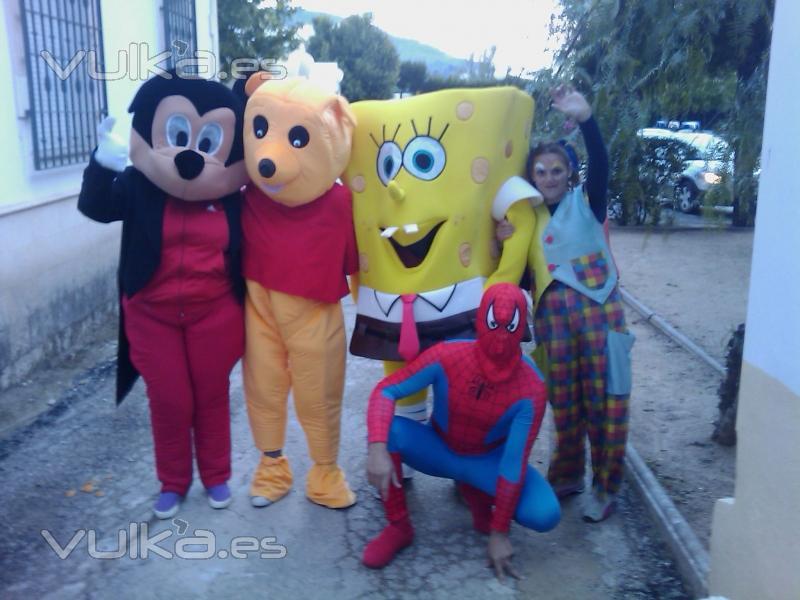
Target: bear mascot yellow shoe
column 299, row 246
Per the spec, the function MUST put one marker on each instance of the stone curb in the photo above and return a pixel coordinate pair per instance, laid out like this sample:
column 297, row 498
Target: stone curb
column 691, row 557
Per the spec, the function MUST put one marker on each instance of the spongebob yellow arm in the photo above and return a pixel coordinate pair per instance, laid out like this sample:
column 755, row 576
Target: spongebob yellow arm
column 515, row 249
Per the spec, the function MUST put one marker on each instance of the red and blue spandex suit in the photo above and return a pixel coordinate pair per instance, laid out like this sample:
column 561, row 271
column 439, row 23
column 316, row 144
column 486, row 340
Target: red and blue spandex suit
column 489, row 401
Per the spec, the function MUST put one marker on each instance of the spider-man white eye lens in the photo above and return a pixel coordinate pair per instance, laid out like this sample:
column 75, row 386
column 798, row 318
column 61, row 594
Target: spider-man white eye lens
column 491, row 323
column 512, row 327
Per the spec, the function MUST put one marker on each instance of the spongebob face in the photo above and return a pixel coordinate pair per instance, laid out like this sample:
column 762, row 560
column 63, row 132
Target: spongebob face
column 424, row 171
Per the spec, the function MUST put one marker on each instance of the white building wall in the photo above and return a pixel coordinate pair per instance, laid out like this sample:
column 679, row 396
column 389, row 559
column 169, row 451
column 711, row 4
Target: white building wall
column 755, row 552
column 57, row 268
column 773, row 326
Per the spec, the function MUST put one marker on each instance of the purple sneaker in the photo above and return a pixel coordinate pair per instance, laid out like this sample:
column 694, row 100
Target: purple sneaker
column 219, row 496
column 167, row 505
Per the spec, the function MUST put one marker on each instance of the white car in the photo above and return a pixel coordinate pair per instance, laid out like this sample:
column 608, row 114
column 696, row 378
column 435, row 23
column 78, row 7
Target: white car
column 705, row 157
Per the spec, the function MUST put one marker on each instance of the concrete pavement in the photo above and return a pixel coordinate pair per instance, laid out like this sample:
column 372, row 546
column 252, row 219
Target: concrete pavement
column 84, row 442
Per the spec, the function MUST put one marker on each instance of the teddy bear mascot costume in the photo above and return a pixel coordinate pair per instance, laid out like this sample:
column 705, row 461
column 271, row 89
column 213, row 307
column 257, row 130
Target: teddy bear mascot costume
column 299, row 246
column 180, row 285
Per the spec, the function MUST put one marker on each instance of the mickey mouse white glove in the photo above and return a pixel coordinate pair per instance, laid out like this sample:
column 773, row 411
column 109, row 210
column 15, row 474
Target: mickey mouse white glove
column 112, row 151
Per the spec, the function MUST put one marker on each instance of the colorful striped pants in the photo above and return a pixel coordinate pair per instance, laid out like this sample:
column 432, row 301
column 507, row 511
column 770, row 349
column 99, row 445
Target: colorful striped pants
column 574, row 330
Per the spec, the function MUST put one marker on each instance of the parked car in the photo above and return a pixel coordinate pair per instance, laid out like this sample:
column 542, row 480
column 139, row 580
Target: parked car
column 689, row 161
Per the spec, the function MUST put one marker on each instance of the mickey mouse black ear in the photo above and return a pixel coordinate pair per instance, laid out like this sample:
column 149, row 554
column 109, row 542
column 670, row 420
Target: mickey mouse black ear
column 238, row 90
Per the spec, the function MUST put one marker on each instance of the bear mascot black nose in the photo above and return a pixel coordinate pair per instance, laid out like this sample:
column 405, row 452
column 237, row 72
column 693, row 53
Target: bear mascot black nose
column 266, row 167
column 190, row 164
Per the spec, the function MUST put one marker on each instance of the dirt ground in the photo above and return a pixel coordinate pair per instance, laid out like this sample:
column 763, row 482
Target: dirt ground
column 698, row 280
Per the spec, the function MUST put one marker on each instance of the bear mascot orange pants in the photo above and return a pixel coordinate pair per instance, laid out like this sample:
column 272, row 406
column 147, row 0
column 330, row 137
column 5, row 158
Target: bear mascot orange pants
column 299, row 246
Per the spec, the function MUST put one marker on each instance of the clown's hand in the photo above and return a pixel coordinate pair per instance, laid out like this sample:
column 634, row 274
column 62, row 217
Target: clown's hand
column 112, row 151
column 570, row 102
column 380, row 469
column 504, row 230
column 500, row 553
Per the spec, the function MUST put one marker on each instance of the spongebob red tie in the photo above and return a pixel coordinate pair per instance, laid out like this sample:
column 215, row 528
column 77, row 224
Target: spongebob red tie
column 409, row 341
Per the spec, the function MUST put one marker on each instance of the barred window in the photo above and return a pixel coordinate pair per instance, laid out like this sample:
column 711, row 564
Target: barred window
column 65, row 104
column 180, row 30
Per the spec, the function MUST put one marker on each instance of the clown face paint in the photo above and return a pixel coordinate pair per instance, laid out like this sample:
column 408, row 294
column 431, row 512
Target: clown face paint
column 551, row 177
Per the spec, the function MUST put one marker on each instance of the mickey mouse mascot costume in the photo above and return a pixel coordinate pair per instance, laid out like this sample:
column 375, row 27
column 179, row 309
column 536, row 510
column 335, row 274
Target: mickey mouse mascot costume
column 180, row 285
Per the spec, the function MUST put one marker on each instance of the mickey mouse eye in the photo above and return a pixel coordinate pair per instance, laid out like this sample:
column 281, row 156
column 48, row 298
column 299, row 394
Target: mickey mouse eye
column 491, row 323
column 298, row 136
column 210, row 138
column 260, row 126
column 390, row 159
column 512, row 327
column 424, row 157
column 179, row 130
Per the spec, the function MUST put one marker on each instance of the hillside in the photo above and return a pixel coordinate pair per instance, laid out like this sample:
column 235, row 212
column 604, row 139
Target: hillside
column 436, row 61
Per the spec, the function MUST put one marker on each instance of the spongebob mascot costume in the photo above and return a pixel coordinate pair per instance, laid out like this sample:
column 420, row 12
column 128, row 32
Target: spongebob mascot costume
column 429, row 175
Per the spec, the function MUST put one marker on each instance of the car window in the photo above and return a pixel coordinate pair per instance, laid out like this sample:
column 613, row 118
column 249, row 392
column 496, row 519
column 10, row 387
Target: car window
column 705, row 146
column 683, row 145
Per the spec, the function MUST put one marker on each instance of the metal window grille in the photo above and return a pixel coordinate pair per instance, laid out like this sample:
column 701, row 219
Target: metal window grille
column 180, row 30
column 64, row 110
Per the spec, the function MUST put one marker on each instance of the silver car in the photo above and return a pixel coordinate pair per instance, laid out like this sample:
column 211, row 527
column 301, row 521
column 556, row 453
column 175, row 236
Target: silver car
column 704, row 156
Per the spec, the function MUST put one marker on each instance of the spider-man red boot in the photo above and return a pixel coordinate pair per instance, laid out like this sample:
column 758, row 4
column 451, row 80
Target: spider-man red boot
column 480, row 505
column 398, row 533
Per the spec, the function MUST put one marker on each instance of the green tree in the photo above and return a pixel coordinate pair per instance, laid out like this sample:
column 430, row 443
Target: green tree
column 412, row 76
column 483, row 68
column 742, row 47
column 363, row 52
column 676, row 58
column 246, row 30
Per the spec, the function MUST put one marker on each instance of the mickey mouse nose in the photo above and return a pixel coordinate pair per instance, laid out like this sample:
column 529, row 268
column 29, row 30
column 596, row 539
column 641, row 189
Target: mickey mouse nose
column 266, row 168
column 189, row 163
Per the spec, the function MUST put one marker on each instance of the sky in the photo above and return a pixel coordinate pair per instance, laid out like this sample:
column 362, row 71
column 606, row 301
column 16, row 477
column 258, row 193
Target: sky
column 519, row 28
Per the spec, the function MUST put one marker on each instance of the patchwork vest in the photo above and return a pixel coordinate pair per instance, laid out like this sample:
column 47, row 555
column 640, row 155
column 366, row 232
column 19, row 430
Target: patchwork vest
column 570, row 246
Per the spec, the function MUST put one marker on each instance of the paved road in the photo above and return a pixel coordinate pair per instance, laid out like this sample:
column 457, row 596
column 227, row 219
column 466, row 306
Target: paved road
column 84, row 442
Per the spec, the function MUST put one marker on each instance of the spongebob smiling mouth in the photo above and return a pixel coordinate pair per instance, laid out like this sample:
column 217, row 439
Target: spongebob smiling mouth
column 411, row 254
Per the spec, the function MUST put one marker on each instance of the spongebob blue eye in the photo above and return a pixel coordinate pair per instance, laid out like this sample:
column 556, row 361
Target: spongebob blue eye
column 424, row 157
column 423, row 160
column 390, row 159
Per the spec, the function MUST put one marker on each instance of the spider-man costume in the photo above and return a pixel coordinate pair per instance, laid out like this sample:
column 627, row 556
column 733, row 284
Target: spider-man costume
column 489, row 401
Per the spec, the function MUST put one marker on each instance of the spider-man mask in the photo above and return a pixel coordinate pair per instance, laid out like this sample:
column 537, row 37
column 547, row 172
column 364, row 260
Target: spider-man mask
column 501, row 324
